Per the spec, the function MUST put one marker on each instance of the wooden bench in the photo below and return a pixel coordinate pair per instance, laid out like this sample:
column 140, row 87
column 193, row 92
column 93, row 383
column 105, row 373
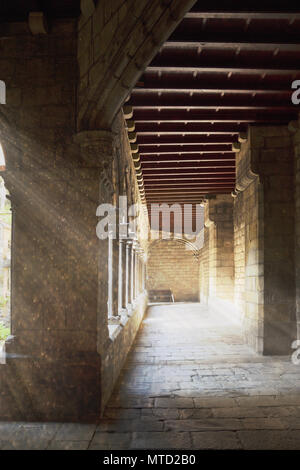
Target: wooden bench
column 161, row 295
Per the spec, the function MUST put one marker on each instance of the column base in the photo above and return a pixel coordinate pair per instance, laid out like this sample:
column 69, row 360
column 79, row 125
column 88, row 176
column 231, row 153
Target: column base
column 114, row 320
column 129, row 309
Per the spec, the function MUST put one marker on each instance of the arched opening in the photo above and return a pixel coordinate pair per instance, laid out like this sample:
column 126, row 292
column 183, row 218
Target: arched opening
column 169, row 260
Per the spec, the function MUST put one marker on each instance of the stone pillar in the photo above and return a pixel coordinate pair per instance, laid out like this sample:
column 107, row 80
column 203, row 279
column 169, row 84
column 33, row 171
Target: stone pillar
column 132, row 276
column 265, row 192
column 110, row 277
column 120, row 278
column 113, row 317
column 59, row 313
column 294, row 128
column 219, row 221
column 128, row 258
column 136, row 275
column 143, row 275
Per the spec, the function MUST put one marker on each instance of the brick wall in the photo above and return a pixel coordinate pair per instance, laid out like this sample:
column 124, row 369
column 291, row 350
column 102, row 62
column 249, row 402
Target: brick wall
column 172, row 266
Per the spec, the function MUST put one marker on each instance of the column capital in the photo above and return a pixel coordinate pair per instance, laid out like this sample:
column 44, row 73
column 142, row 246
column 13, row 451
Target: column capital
column 96, row 147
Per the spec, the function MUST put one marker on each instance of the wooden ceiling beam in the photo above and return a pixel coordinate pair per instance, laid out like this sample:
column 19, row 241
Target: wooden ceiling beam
column 214, row 115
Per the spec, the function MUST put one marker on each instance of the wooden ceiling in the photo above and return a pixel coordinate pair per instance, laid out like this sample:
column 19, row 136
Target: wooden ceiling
column 227, row 65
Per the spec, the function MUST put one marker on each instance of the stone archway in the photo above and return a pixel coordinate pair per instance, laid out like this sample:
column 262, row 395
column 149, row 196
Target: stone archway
column 123, row 39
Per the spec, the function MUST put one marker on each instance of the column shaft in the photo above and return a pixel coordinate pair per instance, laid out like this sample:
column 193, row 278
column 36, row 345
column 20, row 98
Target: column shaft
column 120, row 278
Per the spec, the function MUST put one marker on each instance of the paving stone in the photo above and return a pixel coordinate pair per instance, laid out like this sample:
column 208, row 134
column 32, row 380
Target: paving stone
column 36, row 431
column 251, row 412
column 68, row 445
column 26, row 444
column 269, row 440
column 7, row 430
column 132, row 402
column 122, row 413
column 197, row 413
column 75, row 432
column 110, row 441
column 123, row 425
column 257, row 401
column 174, row 403
column 216, row 440
column 161, row 413
column 214, row 402
column 161, row 440
column 204, row 424
column 264, row 423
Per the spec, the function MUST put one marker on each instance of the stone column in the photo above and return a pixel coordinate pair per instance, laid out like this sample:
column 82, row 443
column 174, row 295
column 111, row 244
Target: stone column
column 59, row 313
column 128, row 258
column 132, row 276
column 265, row 193
column 144, row 276
column 294, row 128
column 219, row 221
column 137, row 272
column 110, row 313
column 120, row 278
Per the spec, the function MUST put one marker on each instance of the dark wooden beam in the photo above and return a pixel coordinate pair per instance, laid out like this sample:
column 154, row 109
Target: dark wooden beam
column 182, row 149
column 155, row 128
column 187, row 172
column 173, row 58
column 179, row 139
column 246, row 7
column 263, row 15
column 213, row 82
column 162, row 140
column 189, row 184
column 213, row 115
column 190, row 32
column 188, row 165
column 205, row 177
column 200, row 100
column 217, row 157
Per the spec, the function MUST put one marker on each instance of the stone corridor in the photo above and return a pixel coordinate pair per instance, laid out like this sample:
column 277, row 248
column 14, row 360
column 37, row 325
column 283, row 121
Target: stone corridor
column 189, row 382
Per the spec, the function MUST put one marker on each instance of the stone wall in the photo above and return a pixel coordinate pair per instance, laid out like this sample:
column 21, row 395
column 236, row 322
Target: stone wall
column 172, row 265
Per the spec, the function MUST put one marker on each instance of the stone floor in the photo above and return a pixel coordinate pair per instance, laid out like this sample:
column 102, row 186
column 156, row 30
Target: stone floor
column 190, row 382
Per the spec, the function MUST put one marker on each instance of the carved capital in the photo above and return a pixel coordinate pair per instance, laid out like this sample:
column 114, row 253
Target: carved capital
column 96, row 147
column 245, row 163
column 244, row 178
